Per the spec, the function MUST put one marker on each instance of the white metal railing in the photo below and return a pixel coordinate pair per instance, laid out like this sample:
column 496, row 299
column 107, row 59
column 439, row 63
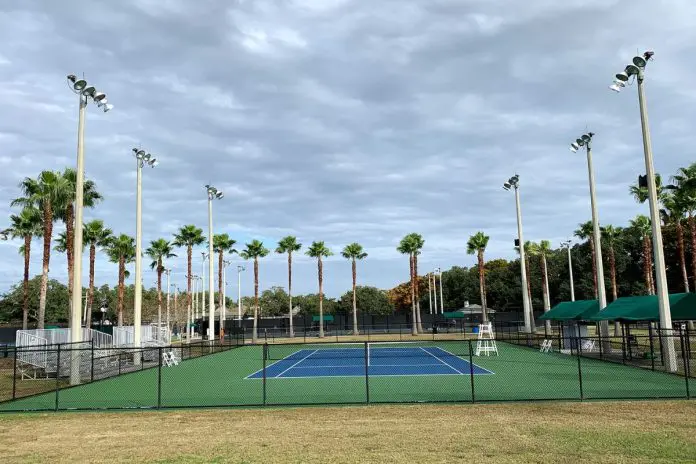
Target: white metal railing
column 31, row 348
column 124, row 336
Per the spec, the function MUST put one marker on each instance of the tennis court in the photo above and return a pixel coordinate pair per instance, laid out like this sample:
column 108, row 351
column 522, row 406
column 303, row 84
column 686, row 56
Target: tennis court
column 334, row 373
column 379, row 361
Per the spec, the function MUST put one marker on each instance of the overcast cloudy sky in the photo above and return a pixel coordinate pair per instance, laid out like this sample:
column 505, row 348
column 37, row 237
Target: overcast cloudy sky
column 344, row 120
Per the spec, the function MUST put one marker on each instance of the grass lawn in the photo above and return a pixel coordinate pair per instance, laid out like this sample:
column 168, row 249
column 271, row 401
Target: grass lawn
column 600, row 432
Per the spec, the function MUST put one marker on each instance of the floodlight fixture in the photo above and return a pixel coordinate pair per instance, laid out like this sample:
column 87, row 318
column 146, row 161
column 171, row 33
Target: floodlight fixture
column 632, row 70
column 108, row 107
column 220, row 195
column 586, row 138
column 639, row 61
column 98, row 97
column 580, row 142
column 622, row 76
column 574, row 147
column 507, row 185
column 154, row 162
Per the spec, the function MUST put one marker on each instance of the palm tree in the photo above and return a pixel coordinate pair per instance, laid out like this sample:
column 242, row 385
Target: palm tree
column 674, row 207
column 67, row 214
column 159, row 250
column 418, row 244
column 222, row 243
column 477, row 245
column 255, row 250
column 48, row 193
column 188, row 236
column 354, row 251
column 289, row 245
column 641, row 225
column 611, row 235
column 25, row 225
column 95, row 235
column 585, row 232
column 319, row 250
column 407, row 246
column 121, row 250
column 685, row 186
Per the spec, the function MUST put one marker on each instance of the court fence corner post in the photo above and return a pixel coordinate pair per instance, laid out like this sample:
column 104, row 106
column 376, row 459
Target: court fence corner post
column 685, row 361
column 579, row 351
column 367, row 372
column 57, row 376
column 471, row 372
column 14, row 375
column 159, row 379
column 265, row 357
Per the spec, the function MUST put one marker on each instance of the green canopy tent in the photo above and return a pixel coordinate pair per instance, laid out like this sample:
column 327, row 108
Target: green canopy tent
column 645, row 308
column 580, row 310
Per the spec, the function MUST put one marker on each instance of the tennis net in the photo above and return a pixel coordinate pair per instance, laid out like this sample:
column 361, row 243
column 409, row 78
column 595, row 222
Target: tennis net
column 382, row 349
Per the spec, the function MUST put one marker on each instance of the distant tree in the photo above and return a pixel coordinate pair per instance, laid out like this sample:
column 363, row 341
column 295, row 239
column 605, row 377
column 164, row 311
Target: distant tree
column 122, row 251
column 159, row 251
column 354, row 252
column 318, row 250
column 95, row 235
column 289, row 245
column 255, row 250
column 477, row 245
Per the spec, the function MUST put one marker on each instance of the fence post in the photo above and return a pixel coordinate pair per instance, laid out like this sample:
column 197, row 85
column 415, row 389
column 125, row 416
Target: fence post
column 652, row 347
column 265, row 355
column 582, row 395
column 91, row 370
column 471, row 372
column 57, row 375
column 599, row 336
column 623, row 343
column 14, row 375
column 659, row 339
column 686, row 365
column 159, row 379
column 367, row 374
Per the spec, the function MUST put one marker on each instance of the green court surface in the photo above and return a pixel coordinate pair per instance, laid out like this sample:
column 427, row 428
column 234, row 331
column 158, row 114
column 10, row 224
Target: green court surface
column 519, row 373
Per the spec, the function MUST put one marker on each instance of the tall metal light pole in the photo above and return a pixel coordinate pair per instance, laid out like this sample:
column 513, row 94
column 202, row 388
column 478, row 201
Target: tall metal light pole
column 204, row 256
column 169, row 330
column 430, row 293
column 637, row 70
column 213, row 194
column 566, row 245
column 514, row 183
column 85, row 93
column 191, row 309
column 586, row 141
column 240, row 269
column 442, row 302
column 223, row 309
column 141, row 159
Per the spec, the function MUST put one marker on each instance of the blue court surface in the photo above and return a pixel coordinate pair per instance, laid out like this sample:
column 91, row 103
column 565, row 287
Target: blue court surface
column 350, row 362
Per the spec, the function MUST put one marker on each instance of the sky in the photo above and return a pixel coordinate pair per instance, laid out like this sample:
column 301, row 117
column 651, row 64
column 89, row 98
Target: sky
column 343, row 121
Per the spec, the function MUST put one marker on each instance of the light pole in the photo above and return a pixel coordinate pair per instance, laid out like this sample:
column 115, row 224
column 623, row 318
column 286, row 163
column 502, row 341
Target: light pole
column 204, row 256
column 191, row 309
column 514, row 183
column 586, row 141
column 442, row 302
column 430, row 293
column 566, row 245
column 213, row 194
column 141, row 159
column 637, row 70
column 85, row 93
column 240, row 269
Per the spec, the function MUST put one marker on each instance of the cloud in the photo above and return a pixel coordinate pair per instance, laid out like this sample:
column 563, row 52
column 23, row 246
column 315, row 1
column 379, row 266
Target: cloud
column 342, row 120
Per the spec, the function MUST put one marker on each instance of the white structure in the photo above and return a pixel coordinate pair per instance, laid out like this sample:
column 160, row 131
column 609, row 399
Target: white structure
column 486, row 340
column 125, row 336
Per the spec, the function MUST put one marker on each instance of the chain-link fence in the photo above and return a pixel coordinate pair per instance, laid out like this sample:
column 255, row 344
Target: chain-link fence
column 444, row 368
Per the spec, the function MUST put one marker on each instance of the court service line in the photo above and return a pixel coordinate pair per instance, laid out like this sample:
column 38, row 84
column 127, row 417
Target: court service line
column 443, row 362
column 298, row 362
column 476, row 366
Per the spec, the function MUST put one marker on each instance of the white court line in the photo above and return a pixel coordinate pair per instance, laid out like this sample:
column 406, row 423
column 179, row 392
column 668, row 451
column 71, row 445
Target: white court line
column 443, row 362
column 272, row 364
column 298, row 362
column 363, row 365
column 474, row 364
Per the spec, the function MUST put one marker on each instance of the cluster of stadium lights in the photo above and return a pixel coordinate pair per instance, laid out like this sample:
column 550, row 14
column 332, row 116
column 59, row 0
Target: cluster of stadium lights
column 581, row 142
column 512, row 182
column 634, row 69
column 88, row 92
column 213, row 193
column 146, row 159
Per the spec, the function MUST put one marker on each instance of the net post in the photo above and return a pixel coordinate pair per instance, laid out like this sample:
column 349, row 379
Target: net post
column 471, row 372
column 265, row 357
column 686, row 364
column 91, row 370
column 367, row 372
column 14, row 375
column 582, row 396
column 57, row 376
column 159, row 379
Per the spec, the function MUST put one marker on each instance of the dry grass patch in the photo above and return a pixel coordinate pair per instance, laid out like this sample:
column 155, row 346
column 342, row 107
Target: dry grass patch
column 621, row 432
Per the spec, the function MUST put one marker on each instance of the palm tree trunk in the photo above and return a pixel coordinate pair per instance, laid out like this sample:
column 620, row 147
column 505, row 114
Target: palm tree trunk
column 189, row 296
column 321, row 298
column 614, row 290
column 48, row 232
column 416, row 286
column 159, row 296
column 414, row 327
column 482, row 286
column 90, row 291
column 682, row 254
column 255, row 332
column 70, row 239
column 25, row 284
column 292, row 330
column 355, row 306
column 121, row 280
